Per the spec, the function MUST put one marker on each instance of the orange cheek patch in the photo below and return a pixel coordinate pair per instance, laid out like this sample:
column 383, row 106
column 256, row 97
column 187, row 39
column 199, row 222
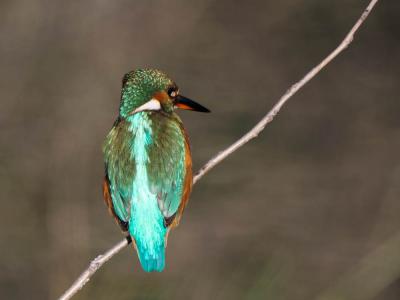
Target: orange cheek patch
column 161, row 96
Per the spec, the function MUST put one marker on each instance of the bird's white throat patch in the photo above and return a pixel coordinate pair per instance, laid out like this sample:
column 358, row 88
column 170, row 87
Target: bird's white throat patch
column 153, row 104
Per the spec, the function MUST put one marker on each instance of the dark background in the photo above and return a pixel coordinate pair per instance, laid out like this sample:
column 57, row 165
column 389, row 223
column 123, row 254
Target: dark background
column 308, row 210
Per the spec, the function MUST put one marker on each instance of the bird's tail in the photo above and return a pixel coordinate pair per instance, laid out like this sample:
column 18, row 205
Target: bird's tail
column 147, row 228
column 151, row 258
column 150, row 246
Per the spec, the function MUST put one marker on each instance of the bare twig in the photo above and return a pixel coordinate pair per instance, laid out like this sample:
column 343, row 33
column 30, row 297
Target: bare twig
column 93, row 267
column 100, row 260
column 289, row 93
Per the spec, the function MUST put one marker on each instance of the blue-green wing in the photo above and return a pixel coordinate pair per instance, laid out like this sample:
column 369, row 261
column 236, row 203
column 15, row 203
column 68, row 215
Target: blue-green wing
column 167, row 168
column 119, row 168
column 108, row 200
column 162, row 159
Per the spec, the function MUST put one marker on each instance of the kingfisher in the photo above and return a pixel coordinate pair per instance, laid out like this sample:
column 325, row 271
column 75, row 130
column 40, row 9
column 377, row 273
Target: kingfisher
column 148, row 164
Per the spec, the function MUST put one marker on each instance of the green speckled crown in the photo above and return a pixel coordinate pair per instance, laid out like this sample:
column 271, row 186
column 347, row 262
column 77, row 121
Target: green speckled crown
column 139, row 86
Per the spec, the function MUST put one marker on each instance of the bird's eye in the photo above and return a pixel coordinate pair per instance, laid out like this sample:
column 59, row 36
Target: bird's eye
column 172, row 92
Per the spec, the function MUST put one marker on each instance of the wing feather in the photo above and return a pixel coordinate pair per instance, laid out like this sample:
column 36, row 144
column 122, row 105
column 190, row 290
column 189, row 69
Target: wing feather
column 110, row 205
column 169, row 167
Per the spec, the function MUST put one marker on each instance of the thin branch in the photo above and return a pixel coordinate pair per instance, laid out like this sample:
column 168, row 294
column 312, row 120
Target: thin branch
column 93, row 267
column 289, row 93
column 101, row 259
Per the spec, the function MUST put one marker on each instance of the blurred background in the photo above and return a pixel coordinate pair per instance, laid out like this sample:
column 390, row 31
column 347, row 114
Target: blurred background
column 308, row 210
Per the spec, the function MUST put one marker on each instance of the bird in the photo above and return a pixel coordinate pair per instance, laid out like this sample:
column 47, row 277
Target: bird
column 148, row 164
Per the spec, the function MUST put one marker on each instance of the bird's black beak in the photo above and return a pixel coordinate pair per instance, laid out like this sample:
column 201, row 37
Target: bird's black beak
column 185, row 103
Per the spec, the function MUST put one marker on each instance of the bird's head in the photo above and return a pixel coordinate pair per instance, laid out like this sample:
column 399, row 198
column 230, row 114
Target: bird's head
column 152, row 90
